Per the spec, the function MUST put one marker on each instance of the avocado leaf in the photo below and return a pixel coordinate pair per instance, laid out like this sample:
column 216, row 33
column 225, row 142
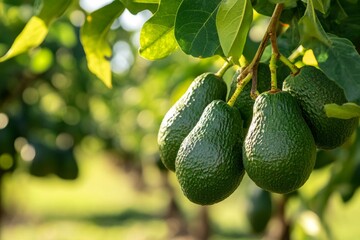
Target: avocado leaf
column 195, row 28
column 345, row 111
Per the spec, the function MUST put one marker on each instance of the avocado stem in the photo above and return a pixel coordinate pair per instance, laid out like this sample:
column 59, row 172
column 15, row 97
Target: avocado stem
column 273, row 66
column 240, row 86
column 294, row 70
column 296, row 53
column 270, row 31
column 224, row 68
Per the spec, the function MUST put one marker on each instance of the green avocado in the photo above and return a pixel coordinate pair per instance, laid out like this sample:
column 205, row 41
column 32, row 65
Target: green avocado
column 279, row 149
column 313, row 89
column 184, row 114
column 259, row 209
column 244, row 102
column 67, row 167
column 209, row 162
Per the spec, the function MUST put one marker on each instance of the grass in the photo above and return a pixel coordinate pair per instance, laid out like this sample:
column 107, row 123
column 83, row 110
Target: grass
column 104, row 204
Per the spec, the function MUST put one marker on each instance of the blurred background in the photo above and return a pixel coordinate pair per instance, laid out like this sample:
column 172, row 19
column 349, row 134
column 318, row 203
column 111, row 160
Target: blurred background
column 80, row 161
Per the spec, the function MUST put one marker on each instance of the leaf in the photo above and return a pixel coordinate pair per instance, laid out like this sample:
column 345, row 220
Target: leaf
column 195, row 28
column 287, row 3
column 136, row 6
column 37, row 27
column 343, row 20
column 341, row 62
column 157, row 39
column 320, row 5
column 310, row 28
column 345, row 111
column 93, row 38
column 233, row 23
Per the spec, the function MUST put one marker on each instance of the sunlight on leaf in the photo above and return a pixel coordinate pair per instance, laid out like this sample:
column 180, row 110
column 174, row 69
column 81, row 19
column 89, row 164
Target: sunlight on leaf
column 310, row 28
column 36, row 28
column 321, row 5
column 345, row 111
column 93, row 38
column 136, row 6
column 157, row 38
column 31, row 36
column 233, row 23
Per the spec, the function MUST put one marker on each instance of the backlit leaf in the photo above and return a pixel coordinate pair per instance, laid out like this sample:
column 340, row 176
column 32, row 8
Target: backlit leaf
column 345, row 111
column 233, row 23
column 310, row 28
column 93, row 38
column 322, row 5
column 157, row 38
column 136, row 6
column 36, row 28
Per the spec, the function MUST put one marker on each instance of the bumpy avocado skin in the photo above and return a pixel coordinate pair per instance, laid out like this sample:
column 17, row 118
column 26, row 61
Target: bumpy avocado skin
column 184, row 114
column 209, row 162
column 279, row 150
column 313, row 89
column 244, row 102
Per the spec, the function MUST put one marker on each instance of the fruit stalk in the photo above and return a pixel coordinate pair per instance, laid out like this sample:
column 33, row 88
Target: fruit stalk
column 224, row 68
column 294, row 70
column 273, row 67
column 252, row 67
column 239, row 88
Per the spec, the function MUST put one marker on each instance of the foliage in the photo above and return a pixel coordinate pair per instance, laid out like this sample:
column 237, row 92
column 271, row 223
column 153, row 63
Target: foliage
column 40, row 66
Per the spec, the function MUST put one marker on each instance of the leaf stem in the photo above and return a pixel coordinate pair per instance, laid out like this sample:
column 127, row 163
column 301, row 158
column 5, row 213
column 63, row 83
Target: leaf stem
column 239, row 88
column 224, row 68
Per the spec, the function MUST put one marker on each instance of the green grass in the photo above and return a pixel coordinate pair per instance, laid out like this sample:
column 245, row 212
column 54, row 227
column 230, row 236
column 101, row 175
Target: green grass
column 103, row 203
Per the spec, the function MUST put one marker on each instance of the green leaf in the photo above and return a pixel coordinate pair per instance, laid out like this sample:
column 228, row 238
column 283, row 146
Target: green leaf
column 50, row 10
column 341, row 62
column 37, row 27
column 233, row 22
column 157, row 38
column 195, row 28
column 93, row 38
column 136, row 6
column 322, row 5
column 310, row 28
column 287, row 3
column 345, row 111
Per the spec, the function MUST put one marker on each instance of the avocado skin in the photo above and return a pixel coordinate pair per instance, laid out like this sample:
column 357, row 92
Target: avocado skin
column 313, row 89
column 184, row 114
column 259, row 210
column 279, row 150
column 244, row 102
column 209, row 162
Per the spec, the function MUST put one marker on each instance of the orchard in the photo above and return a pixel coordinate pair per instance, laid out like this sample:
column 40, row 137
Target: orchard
column 180, row 119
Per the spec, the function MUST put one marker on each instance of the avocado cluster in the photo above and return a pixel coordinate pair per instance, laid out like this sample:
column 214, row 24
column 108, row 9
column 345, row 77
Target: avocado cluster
column 274, row 139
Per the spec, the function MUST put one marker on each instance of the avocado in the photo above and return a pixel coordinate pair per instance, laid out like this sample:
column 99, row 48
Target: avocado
column 184, row 114
column 259, row 209
column 279, row 149
column 313, row 89
column 67, row 167
column 244, row 102
column 209, row 162
column 324, row 158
